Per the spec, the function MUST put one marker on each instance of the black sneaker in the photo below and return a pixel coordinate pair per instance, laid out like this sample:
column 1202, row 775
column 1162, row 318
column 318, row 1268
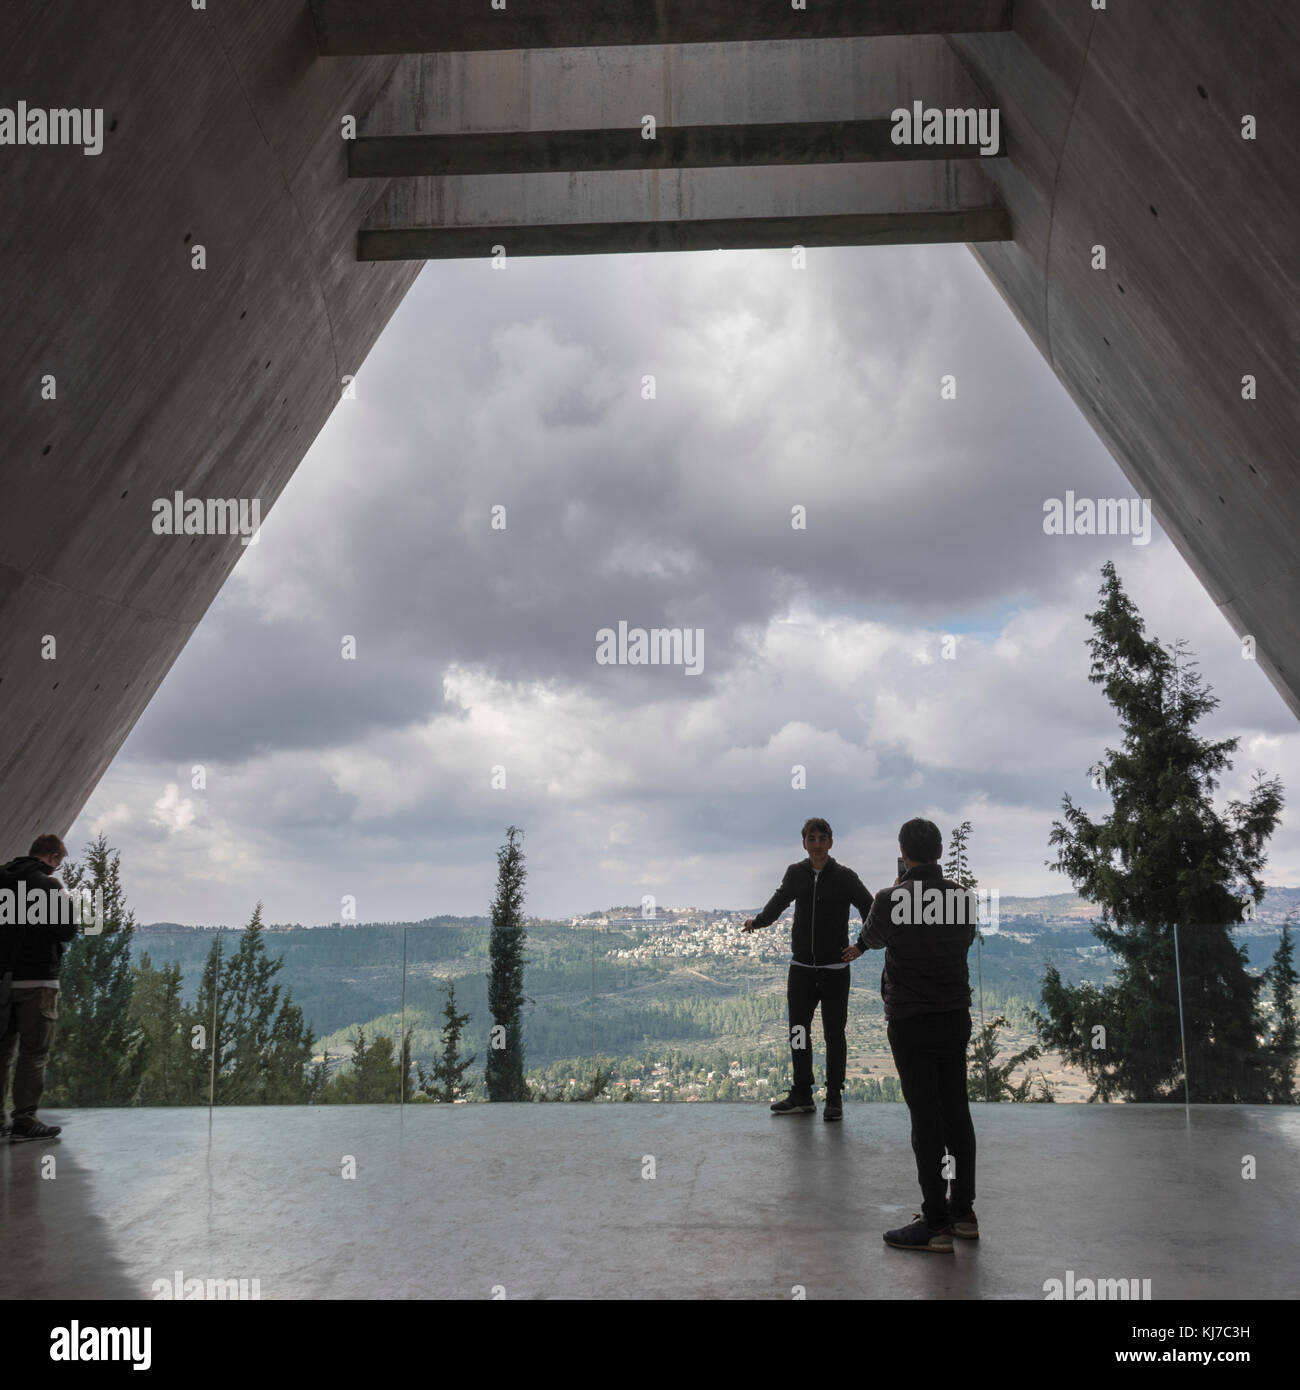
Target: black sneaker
column 920, row 1235
column 25, row 1129
column 833, row 1110
column 793, row 1105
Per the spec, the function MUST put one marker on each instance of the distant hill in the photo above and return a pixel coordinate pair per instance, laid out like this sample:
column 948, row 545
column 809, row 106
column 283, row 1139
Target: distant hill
column 1066, row 908
column 1051, row 907
column 1069, row 907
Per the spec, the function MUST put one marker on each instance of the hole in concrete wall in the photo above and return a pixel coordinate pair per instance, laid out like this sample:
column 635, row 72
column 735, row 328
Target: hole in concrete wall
column 1220, row 499
column 96, row 688
column 1202, row 92
column 267, row 365
column 45, row 451
column 1154, row 213
column 125, row 490
column 112, row 125
column 187, row 237
column 1251, row 466
column 244, row 315
column 1119, row 287
column 1106, row 341
column 55, row 686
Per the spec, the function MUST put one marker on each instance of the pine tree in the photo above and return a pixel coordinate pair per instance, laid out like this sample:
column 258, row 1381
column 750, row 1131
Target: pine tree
column 446, row 1081
column 957, row 869
column 159, row 1013
column 100, row 1055
column 1164, row 857
column 262, row 1049
column 375, row 1073
column 203, row 1026
column 988, row 1081
column 1284, row 1034
column 289, row 1077
column 504, row 1073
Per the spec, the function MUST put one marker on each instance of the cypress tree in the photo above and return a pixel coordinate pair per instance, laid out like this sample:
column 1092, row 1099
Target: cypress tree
column 505, row 1062
column 1163, row 857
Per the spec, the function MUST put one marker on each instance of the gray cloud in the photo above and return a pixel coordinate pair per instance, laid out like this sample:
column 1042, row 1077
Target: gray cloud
column 476, row 647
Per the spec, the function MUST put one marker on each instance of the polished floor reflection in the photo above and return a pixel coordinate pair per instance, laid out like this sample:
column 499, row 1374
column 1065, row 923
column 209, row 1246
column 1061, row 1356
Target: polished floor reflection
column 642, row 1201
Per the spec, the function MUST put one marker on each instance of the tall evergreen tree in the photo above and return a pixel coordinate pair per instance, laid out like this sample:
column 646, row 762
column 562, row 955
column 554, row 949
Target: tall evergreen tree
column 1164, row 856
column 957, row 868
column 986, row 1080
column 1284, row 1034
column 446, row 1082
column 262, row 1048
column 978, row 1057
column 505, row 1064
column 158, row 1011
column 99, row 1054
column 373, row 1076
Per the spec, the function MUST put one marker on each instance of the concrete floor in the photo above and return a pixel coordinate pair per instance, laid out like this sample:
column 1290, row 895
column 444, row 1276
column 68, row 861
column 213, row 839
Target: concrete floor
column 549, row 1201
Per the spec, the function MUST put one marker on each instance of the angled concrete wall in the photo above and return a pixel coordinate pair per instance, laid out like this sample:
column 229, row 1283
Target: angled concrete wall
column 222, row 129
column 1124, row 130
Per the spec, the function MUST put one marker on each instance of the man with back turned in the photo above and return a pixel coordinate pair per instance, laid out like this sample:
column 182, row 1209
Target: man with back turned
column 926, row 925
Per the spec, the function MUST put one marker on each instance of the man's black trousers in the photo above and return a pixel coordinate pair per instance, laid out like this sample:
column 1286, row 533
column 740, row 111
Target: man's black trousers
column 807, row 987
column 930, row 1054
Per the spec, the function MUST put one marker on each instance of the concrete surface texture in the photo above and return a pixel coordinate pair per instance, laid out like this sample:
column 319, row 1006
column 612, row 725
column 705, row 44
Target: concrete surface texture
column 1123, row 128
column 221, row 129
column 790, row 186
column 399, row 26
column 558, row 1201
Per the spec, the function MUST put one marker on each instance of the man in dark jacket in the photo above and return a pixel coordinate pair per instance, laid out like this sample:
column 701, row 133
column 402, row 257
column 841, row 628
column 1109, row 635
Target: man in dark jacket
column 926, row 925
column 822, row 892
column 36, row 953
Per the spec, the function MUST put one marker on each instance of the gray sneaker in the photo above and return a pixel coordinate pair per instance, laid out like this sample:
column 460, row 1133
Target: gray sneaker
column 965, row 1227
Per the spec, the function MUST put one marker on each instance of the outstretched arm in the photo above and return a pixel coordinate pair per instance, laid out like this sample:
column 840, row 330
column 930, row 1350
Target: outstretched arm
column 775, row 906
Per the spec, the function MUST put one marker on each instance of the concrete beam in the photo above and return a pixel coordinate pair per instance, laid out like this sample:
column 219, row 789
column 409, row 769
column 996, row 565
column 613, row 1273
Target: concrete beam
column 679, row 84
column 685, row 234
column 674, row 147
column 461, row 26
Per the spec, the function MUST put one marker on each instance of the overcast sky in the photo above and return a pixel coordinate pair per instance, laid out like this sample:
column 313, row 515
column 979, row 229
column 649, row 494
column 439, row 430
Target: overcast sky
column 775, row 388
